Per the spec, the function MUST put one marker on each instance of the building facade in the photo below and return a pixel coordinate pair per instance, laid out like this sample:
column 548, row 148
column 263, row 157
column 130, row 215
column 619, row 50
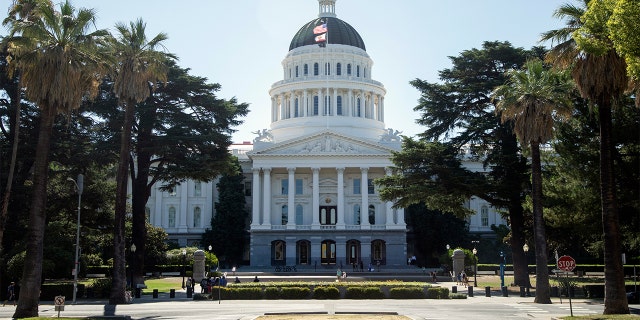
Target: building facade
column 309, row 175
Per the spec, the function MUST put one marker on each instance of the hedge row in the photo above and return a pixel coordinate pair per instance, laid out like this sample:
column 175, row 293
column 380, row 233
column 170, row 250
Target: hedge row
column 324, row 292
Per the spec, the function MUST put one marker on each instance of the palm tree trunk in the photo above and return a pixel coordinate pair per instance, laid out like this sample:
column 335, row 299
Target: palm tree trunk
column 615, row 300
column 32, row 270
column 543, row 289
column 118, row 287
column 16, row 101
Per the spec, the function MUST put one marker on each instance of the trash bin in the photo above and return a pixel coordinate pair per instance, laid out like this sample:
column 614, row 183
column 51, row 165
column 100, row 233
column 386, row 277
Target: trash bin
column 487, row 291
column 155, row 293
column 172, row 293
column 189, row 292
column 522, row 291
column 505, row 292
column 470, row 291
column 454, row 289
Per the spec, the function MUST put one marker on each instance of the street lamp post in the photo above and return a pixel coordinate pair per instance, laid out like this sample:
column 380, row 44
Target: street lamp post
column 210, row 248
column 475, row 267
column 79, row 182
column 502, row 265
column 525, row 248
column 133, row 251
column 184, row 258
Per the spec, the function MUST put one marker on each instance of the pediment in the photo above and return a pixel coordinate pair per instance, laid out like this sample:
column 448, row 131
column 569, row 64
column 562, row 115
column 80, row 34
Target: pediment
column 325, row 143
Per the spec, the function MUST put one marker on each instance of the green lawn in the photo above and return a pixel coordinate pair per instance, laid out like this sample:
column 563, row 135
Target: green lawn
column 162, row 284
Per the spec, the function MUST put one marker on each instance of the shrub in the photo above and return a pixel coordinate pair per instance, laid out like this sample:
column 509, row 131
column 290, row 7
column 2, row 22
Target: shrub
column 458, row 296
column 364, row 293
column 326, row 293
column 101, row 288
column 594, row 291
column 437, row 293
column 272, row 293
column 200, row 296
column 228, row 293
column 406, row 293
column 50, row 291
column 295, row 293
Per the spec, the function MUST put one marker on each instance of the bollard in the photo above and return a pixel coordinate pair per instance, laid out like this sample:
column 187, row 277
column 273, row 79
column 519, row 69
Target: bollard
column 155, row 293
column 505, row 292
column 470, row 291
column 137, row 294
column 528, row 292
column 189, row 292
column 522, row 289
column 487, row 291
column 454, row 289
column 172, row 293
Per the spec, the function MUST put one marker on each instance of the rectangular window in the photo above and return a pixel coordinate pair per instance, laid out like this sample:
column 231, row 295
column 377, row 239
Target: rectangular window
column 356, row 186
column 299, row 189
column 284, row 183
column 197, row 189
column 370, row 186
column 248, row 187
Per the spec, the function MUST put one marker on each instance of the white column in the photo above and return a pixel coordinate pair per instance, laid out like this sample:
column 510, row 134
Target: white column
column 255, row 195
column 381, row 108
column 291, row 209
column 316, row 199
column 266, row 197
column 364, row 191
column 334, row 108
column 400, row 213
column 341, row 208
column 320, row 103
column 184, row 196
column 350, row 104
column 292, row 105
column 389, row 204
column 282, row 107
column 158, row 217
column 304, row 103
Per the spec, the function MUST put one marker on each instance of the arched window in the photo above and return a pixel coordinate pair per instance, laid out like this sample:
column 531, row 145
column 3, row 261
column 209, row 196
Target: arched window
column 327, row 69
column 299, row 215
column 297, row 108
column 328, row 252
column 303, row 248
column 372, row 214
column 353, row 252
column 358, row 108
column 339, row 106
column 172, row 217
column 285, row 214
column 316, row 70
column 197, row 189
column 349, row 69
column 357, row 71
column 306, row 69
column 364, row 72
column 297, row 71
column 378, row 251
column 278, row 250
column 484, row 216
column 197, row 217
column 338, row 69
column 315, row 105
column 356, row 214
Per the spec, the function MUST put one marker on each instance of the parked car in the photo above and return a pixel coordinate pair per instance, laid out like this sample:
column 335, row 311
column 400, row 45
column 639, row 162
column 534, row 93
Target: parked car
column 633, row 297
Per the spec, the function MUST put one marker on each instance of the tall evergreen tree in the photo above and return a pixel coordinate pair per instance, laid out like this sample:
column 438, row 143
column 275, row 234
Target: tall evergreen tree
column 229, row 224
column 533, row 99
column 56, row 55
column 459, row 112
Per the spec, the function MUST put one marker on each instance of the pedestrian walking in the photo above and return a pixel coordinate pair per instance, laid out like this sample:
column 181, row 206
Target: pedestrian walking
column 11, row 294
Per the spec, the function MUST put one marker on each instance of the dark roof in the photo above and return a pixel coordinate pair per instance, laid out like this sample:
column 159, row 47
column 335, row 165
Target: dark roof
column 339, row 32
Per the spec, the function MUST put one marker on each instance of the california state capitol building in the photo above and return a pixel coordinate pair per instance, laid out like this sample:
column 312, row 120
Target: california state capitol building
column 309, row 175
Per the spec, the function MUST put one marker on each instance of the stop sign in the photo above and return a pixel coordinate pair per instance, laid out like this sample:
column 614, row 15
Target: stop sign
column 566, row 263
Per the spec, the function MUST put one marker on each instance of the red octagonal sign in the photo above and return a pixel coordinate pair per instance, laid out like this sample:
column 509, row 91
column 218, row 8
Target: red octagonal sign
column 566, row 263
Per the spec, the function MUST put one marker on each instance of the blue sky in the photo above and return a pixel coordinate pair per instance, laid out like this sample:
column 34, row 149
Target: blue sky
column 240, row 44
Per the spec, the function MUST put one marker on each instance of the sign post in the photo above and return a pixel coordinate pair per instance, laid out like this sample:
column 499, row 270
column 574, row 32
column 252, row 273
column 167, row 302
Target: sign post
column 567, row 264
column 59, row 304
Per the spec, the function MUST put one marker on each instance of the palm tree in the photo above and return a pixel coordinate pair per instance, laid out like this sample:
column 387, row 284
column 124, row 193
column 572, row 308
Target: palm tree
column 601, row 77
column 138, row 66
column 532, row 98
column 59, row 66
